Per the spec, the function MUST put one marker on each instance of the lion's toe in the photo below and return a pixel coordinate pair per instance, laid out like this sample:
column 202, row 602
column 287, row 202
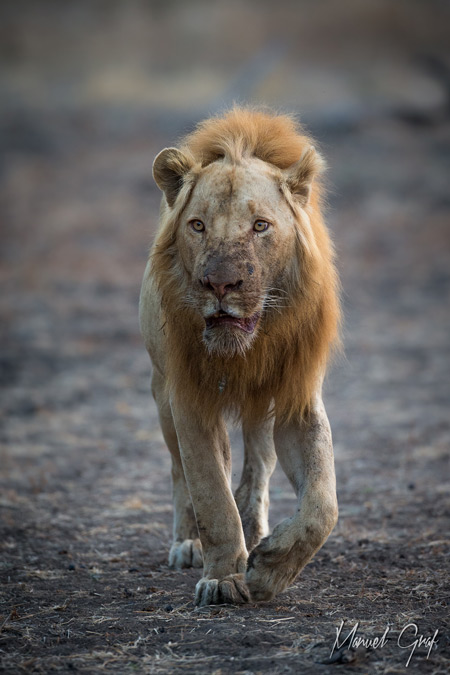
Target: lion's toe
column 230, row 590
column 269, row 573
column 187, row 553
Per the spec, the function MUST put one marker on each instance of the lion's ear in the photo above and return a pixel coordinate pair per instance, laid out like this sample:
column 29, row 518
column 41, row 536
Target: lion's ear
column 169, row 168
column 299, row 176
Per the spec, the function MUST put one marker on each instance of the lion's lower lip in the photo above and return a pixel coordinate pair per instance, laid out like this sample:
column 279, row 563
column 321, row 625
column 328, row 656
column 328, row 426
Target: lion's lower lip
column 247, row 324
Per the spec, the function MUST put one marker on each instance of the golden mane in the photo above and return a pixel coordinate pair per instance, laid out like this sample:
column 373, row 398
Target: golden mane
column 284, row 367
column 276, row 139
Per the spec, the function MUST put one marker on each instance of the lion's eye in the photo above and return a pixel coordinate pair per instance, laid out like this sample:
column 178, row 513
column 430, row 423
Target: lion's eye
column 197, row 225
column 260, row 225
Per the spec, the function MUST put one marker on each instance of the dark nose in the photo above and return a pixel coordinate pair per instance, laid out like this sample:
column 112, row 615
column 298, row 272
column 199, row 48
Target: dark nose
column 219, row 287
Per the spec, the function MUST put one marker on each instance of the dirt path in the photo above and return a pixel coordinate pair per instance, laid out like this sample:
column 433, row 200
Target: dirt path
column 85, row 489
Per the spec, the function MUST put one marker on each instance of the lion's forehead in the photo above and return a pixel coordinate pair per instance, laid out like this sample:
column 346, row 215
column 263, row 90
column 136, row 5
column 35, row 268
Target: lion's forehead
column 223, row 190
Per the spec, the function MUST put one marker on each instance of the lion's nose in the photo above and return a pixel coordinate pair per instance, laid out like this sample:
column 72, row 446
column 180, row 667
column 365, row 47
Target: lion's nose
column 219, row 287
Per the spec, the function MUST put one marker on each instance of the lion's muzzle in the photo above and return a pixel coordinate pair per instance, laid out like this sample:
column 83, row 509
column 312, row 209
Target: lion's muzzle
column 229, row 297
column 219, row 284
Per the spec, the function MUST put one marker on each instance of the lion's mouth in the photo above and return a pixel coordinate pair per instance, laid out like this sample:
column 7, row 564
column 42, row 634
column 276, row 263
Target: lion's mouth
column 222, row 318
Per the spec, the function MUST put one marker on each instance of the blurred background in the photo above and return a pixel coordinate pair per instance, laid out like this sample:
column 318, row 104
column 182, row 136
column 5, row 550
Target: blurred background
column 90, row 91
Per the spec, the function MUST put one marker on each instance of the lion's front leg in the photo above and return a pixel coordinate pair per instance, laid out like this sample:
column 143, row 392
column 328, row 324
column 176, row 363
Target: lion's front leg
column 305, row 452
column 205, row 454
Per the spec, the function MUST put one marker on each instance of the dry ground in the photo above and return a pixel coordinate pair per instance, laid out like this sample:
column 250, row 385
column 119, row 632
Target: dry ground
column 85, row 500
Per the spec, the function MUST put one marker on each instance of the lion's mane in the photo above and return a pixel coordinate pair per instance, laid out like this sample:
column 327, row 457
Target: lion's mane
column 287, row 359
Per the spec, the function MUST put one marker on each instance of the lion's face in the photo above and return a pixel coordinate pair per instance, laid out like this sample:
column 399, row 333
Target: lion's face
column 235, row 237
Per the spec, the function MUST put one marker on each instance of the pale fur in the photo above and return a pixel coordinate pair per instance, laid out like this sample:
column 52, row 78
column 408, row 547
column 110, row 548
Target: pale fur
column 271, row 378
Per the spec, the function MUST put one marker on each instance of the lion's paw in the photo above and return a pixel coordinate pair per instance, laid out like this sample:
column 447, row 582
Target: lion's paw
column 270, row 570
column 187, row 553
column 229, row 590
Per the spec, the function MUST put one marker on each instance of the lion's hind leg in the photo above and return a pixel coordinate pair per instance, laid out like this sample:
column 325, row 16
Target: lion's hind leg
column 186, row 549
column 252, row 495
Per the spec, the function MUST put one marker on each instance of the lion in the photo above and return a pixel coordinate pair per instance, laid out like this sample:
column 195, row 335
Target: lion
column 239, row 311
